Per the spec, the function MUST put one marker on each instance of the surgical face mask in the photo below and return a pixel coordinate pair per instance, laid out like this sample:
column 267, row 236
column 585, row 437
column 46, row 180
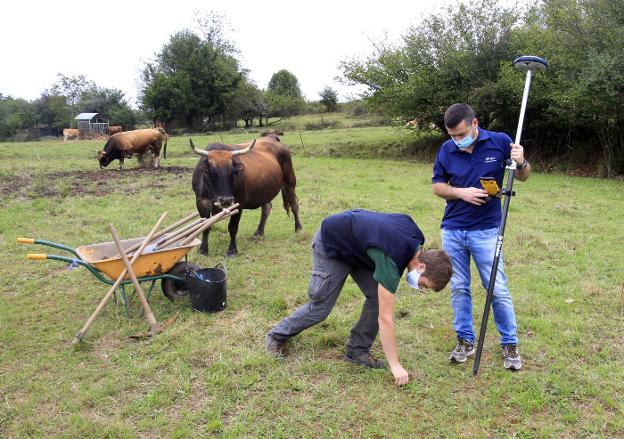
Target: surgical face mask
column 466, row 142
column 412, row 279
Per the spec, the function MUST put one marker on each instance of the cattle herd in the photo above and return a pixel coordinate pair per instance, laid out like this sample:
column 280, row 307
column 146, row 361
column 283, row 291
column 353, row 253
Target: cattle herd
column 251, row 174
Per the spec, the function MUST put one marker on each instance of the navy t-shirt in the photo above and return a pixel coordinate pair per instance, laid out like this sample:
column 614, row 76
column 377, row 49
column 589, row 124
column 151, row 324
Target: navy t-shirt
column 462, row 169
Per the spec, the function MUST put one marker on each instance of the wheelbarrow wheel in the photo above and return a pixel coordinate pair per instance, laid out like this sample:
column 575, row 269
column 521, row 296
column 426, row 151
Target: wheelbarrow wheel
column 175, row 288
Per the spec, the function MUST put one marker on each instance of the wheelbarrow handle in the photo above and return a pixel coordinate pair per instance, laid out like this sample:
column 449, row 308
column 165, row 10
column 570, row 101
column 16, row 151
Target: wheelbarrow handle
column 48, row 243
column 37, row 256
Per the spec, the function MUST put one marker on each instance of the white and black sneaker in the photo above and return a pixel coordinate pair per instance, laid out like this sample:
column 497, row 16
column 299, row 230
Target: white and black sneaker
column 462, row 351
column 511, row 357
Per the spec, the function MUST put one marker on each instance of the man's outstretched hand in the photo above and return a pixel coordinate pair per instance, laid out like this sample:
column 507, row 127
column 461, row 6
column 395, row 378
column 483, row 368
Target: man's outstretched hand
column 401, row 377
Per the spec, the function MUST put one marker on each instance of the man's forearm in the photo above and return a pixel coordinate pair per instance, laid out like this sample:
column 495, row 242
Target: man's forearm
column 445, row 190
column 388, row 340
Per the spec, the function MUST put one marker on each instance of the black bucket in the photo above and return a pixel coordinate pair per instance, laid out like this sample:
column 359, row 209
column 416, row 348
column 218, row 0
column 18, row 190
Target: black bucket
column 208, row 289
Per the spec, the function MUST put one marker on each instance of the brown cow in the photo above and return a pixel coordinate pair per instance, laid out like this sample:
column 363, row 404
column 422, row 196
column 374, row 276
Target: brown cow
column 274, row 134
column 122, row 145
column 251, row 175
column 114, row 129
column 71, row 132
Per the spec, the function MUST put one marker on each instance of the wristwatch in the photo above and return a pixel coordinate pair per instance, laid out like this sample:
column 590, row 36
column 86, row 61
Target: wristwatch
column 522, row 165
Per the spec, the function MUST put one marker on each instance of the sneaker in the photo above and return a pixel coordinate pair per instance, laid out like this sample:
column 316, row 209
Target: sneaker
column 462, row 351
column 274, row 346
column 511, row 357
column 365, row 359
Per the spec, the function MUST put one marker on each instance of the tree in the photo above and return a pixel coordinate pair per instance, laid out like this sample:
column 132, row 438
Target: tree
column 248, row 103
column 284, row 83
column 15, row 115
column 72, row 88
column 191, row 83
column 283, row 95
column 451, row 57
column 329, row 98
column 53, row 111
column 71, row 95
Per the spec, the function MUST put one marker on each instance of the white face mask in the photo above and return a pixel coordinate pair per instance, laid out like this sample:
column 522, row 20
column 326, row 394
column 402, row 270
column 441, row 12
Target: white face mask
column 412, row 279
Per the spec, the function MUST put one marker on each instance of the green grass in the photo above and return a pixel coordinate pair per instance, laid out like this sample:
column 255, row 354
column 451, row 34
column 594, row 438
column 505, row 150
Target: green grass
column 208, row 374
column 321, row 121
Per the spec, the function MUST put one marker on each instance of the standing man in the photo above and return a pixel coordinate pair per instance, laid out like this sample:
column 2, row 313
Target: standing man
column 471, row 220
column 374, row 248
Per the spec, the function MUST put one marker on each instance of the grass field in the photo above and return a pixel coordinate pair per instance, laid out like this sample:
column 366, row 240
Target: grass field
column 208, row 374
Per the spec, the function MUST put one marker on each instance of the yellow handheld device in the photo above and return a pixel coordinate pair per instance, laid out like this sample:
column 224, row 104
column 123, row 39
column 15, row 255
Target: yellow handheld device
column 490, row 185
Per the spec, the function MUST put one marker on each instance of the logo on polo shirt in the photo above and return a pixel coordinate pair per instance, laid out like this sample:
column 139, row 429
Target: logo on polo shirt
column 490, row 159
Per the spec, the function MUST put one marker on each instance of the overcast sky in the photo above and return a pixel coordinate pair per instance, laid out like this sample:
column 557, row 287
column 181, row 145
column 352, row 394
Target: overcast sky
column 109, row 41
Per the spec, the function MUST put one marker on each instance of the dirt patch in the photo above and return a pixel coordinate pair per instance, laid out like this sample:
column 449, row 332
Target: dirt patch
column 78, row 183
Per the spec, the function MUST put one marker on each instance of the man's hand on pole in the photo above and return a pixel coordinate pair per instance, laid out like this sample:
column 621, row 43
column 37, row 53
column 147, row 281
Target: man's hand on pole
column 517, row 153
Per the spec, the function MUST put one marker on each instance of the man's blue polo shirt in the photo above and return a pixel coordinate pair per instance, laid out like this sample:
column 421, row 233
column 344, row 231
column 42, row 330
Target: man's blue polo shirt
column 462, row 169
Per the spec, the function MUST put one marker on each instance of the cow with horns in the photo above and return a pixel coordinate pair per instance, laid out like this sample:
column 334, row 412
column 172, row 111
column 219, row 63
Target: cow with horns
column 249, row 174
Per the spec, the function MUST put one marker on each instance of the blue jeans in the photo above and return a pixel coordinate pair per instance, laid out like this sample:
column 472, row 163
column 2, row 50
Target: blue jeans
column 460, row 245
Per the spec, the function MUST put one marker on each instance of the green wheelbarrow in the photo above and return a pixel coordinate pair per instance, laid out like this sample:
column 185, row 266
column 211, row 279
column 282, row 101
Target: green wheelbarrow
column 105, row 263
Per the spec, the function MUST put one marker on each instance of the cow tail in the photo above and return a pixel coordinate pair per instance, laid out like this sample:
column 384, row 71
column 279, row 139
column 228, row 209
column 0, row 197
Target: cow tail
column 290, row 181
column 165, row 150
column 286, row 203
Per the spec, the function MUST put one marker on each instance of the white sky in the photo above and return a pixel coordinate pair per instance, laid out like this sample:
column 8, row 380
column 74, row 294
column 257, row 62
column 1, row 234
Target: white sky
column 109, row 41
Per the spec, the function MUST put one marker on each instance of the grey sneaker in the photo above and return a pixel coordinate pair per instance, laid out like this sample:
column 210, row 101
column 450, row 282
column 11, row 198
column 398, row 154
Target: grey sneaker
column 511, row 357
column 365, row 359
column 274, row 346
column 462, row 351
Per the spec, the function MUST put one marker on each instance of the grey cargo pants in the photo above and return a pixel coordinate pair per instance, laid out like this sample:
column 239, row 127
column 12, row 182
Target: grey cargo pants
column 328, row 278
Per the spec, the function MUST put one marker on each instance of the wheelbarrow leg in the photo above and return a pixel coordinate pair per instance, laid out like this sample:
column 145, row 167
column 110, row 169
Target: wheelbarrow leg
column 124, row 299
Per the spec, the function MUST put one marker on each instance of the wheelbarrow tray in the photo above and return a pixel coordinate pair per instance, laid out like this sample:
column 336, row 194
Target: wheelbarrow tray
column 151, row 263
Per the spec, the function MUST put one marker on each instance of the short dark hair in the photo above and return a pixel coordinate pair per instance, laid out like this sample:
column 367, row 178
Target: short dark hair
column 456, row 113
column 438, row 267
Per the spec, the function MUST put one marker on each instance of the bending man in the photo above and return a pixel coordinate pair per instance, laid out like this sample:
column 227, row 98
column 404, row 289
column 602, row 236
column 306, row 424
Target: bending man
column 374, row 249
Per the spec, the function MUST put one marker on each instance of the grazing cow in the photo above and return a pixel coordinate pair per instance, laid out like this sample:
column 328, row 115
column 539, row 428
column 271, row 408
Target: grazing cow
column 251, row 175
column 122, row 145
column 419, row 123
column 114, row 129
column 71, row 132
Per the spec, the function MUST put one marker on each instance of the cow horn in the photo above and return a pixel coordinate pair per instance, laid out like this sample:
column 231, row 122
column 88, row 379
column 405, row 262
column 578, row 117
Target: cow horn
column 197, row 151
column 244, row 151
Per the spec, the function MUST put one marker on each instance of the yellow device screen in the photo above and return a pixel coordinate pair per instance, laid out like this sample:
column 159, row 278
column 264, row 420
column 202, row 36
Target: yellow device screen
column 490, row 185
